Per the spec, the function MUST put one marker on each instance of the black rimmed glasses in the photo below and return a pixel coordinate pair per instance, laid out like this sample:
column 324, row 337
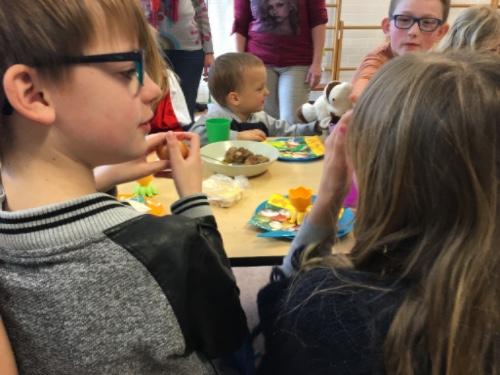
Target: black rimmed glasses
column 135, row 56
column 425, row 24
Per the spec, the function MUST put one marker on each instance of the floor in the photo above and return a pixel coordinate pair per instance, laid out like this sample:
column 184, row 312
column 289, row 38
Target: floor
column 250, row 280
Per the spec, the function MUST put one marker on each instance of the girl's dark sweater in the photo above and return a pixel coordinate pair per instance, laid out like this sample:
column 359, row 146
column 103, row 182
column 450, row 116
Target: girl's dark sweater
column 327, row 322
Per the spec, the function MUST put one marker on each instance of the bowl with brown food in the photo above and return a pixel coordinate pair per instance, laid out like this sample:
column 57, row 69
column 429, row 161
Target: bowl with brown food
column 239, row 158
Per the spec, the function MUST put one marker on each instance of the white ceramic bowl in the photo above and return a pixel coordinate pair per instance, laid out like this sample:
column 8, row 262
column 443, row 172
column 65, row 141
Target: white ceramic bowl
column 217, row 151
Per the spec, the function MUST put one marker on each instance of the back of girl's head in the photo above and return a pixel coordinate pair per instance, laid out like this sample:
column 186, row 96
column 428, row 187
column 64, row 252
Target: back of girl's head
column 445, row 3
column 473, row 29
column 227, row 71
column 423, row 141
column 37, row 33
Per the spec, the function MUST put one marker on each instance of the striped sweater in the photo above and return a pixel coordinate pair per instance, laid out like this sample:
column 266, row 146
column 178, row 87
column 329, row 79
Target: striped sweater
column 90, row 286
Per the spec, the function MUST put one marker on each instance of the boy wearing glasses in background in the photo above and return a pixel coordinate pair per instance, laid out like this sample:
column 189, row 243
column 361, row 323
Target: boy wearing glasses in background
column 412, row 26
column 87, row 284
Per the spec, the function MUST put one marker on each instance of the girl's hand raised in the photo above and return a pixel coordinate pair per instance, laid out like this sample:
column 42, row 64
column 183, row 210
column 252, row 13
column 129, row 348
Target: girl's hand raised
column 336, row 177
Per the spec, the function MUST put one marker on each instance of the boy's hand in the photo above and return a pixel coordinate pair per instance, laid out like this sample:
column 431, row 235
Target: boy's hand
column 252, row 135
column 108, row 176
column 187, row 173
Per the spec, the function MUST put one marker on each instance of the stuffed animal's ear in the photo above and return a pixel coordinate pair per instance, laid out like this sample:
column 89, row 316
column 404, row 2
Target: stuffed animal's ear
column 300, row 116
column 330, row 86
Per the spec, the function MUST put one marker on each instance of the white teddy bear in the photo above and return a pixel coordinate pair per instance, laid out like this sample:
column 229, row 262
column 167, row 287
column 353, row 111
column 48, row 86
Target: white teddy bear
column 330, row 106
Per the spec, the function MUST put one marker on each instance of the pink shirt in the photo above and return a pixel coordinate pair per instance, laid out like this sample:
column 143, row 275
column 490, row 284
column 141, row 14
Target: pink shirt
column 279, row 31
column 369, row 66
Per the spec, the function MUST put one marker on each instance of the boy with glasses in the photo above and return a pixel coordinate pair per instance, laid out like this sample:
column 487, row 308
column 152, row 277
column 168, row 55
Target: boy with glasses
column 88, row 285
column 412, row 26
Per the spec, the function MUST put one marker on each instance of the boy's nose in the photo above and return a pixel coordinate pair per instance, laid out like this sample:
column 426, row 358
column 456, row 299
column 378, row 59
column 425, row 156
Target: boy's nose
column 414, row 29
column 266, row 92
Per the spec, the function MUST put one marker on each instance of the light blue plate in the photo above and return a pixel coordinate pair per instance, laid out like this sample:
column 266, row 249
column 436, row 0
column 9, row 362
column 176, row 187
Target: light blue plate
column 344, row 225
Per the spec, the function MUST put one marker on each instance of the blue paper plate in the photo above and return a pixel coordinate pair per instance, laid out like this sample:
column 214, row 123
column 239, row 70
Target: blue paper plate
column 344, row 225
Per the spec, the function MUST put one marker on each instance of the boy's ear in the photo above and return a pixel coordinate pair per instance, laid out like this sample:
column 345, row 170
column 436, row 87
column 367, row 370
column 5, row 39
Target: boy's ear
column 233, row 98
column 441, row 31
column 386, row 25
column 26, row 94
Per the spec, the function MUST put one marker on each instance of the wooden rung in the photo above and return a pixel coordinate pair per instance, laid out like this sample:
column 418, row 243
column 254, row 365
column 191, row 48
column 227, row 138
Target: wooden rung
column 362, row 27
column 462, row 5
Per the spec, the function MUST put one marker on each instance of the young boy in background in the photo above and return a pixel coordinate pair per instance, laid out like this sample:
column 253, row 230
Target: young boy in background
column 237, row 82
column 412, row 26
column 87, row 284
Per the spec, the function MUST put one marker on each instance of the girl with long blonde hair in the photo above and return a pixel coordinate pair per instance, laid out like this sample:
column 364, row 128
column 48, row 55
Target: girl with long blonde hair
column 420, row 291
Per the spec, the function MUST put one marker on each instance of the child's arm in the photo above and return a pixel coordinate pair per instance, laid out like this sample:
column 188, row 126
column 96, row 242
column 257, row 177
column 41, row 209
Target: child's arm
column 7, row 361
column 283, row 128
column 199, row 128
column 251, row 135
column 108, row 176
column 242, row 19
column 321, row 221
column 370, row 65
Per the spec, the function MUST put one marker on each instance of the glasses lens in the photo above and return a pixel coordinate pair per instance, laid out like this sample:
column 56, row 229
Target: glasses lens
column 138, row 82
column 428, row 24
column 403, row 22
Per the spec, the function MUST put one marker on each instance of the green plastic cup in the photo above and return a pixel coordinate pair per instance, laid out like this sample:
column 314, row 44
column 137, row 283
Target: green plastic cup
column 217, row 129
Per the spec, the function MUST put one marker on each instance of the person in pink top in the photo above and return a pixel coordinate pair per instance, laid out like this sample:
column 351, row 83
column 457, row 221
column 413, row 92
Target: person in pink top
column 412, row 26
column 288, row 35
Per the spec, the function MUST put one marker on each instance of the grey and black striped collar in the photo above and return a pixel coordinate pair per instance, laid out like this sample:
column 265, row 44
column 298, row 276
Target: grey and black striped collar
column 77, row 220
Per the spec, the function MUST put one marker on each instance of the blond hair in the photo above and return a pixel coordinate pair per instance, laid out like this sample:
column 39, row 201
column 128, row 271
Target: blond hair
column 445, row 3
column 472, row 29
column 156, row 66
column 226, row 71
column 424, row 142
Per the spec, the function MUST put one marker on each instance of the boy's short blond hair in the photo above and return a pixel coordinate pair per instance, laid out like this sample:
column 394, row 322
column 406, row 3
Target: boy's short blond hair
column 446, row 8
column 226, row 73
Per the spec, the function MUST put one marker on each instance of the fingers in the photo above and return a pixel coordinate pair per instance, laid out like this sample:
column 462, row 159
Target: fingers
column 314, row 80
column 154, row 140
column 259, row 135
column 174, row 151
column 194, row 142
column 252, row 135
column 345, row 120
column 153, row 167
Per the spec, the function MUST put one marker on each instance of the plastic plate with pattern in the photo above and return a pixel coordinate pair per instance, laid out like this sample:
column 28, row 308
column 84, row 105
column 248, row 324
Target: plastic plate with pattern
column 274, row 221
column 298, row 148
